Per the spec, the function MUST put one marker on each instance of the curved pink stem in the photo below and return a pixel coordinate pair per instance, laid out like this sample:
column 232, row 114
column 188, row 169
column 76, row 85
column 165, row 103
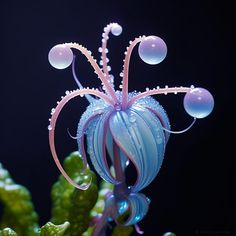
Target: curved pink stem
column 52, row 125
column 126, row 71
column 138, row 230
column 150, row 92
column 107, row 30
column 96, row 68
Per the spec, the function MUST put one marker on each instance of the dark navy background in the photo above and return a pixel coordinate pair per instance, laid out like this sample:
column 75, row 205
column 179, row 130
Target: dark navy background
column 193, row 193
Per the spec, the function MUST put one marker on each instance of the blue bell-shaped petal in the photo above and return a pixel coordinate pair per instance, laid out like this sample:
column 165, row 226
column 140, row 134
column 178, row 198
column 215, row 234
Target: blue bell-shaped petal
column 136, row 205
column 138, row 133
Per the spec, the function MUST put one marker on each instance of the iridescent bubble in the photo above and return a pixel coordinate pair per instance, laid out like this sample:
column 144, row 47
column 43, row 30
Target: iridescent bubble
column 152, row 50
column 116, row 29
column 60, row 56
column 198, row 102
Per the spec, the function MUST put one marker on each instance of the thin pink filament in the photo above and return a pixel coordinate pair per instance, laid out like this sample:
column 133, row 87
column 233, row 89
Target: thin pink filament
column 126, row 71
column 158, row 91
column 53, row 121
column 96, row 68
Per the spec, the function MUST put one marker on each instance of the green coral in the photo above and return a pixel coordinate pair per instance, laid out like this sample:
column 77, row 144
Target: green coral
column 71, row 204
column 18, row 210
column 8, row 232
column 50, row 229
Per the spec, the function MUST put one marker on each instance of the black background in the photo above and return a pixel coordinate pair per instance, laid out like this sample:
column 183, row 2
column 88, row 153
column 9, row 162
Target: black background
column 193, row 193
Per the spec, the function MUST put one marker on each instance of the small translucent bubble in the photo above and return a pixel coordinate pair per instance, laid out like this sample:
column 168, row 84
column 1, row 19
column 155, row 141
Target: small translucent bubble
column 100, row 49
column 108, row 68
column 121, row 74
column 152, row 50
column 60, row 56
column 111, row 77
column 52, row 111
column 49, row 127
column 116, row 29
column 198, row 102
column 127, row 163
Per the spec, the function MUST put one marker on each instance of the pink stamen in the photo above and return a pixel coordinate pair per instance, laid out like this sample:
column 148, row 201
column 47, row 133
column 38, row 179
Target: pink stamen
column 126, row 71
column 96, row 68
column 158, row 91
column 107, row 30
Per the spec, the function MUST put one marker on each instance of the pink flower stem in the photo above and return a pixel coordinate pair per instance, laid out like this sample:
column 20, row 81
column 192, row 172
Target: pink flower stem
column 126, row 71
column 150, row 92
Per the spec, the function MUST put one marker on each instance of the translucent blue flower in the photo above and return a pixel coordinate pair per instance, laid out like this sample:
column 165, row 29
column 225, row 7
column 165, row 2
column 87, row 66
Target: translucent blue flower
column 122, row 127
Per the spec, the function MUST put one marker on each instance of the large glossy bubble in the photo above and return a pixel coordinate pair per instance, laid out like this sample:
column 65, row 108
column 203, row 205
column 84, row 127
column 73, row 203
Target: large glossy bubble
column 198, row 102
column 60, row 56
column 152, row 50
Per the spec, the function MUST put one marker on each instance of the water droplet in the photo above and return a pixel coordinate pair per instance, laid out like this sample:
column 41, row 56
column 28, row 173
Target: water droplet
column 52, row 111
column 117, row 106
column 152, row 50
column 132, row 118
column 49, row 127
column 121, row 74
column 111, row 77
column 60, row 56
column 67, row 92
column 100, row 49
